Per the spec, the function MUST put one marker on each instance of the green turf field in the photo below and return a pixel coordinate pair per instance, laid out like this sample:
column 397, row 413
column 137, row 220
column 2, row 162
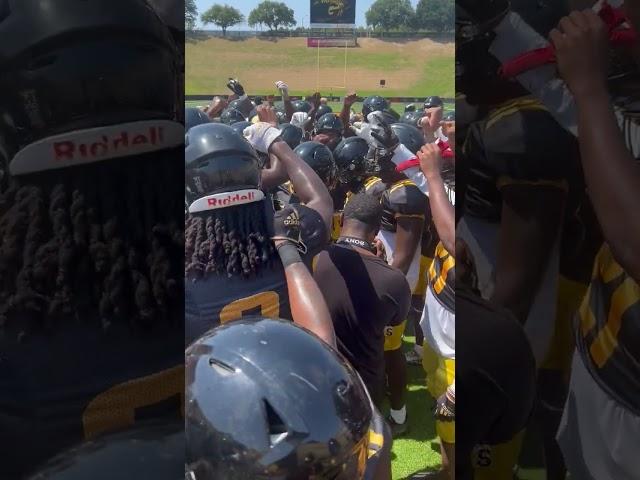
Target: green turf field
column 410, row 67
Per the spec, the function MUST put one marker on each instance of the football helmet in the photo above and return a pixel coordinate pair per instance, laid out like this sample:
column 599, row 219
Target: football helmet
column 267, row 399
column 320, row 159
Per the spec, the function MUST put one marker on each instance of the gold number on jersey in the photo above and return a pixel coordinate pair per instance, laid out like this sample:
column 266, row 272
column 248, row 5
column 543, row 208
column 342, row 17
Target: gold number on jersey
column 115, row 408
column 268, row 302
column 606, row 341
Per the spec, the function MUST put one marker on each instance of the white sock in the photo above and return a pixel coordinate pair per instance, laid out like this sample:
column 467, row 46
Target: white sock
column 418, row 349
column 399, row 416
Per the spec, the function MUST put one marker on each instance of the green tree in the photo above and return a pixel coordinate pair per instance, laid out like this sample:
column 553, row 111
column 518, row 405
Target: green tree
column 435, row 15
column 223, row 16
column 390, row 14
column 190, row 14
column 272, row 14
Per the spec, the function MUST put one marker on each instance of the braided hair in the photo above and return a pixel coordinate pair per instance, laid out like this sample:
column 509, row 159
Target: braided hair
column 98, row 241
column 229, row 241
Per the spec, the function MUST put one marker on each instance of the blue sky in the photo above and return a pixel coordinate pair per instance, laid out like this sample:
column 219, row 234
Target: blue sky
column 300, row 7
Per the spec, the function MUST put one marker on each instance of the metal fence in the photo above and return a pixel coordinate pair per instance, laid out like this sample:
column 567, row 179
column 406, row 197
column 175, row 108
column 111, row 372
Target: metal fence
column 330, row 98
column 239, row 34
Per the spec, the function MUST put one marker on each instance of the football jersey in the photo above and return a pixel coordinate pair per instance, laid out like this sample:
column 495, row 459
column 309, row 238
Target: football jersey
column 60, row 388
column 519, row 142
column 609, row 331
column 438, row 315
column 371, row 186
column 442, row 278
column 379, row 440
column 402, row 199
column 218, row 299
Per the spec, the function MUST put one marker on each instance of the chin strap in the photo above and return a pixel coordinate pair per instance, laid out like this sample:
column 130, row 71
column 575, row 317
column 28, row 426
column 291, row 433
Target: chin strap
column 619, row 36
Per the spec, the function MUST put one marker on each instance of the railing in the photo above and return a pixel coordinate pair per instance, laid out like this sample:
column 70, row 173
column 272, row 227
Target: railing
column 235, row 34
column 330, row 98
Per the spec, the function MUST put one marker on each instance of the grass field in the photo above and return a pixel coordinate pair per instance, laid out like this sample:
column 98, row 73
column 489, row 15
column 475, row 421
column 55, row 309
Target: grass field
column 411, row 68
column 419, row 450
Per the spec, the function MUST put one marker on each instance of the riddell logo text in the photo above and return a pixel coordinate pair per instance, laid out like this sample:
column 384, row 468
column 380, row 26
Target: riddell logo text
column 231, row 199
column 122, row 143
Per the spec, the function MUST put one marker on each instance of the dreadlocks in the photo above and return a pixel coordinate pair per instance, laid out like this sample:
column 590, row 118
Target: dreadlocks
column 231, row 241
column 94, row 241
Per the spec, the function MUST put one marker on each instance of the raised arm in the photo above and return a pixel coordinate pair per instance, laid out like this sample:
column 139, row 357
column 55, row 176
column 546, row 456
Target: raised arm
column 345, row 114
column 442, row 211
column 308, row 307
column 286, row 100
column 611, row 174
column 308, row 186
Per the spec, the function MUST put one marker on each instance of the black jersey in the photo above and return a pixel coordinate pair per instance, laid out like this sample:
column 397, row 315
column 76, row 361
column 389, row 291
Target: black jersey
column 218, row 299
column 519, row 142
column 79, row 382
column 609, row 330
column 402, row 199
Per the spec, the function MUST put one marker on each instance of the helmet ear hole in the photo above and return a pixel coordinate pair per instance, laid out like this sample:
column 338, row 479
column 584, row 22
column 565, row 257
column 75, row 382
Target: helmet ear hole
column 275, row 424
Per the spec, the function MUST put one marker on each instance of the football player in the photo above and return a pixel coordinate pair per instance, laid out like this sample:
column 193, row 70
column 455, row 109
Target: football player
column 404, row 207
column 228, row 247
column 514, row 209
column 91, row 227
column 603, row 396
column 328, row 130
column 317, row 421
column 438, row 315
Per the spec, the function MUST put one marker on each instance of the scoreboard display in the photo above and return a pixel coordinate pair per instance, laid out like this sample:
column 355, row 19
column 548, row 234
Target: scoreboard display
column 333, row 12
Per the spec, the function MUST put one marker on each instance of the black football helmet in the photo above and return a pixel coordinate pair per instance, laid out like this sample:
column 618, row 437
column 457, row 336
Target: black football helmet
column 235, row 104
column 231, row 115
column 411, row 137
column 243, row 107
column 433, row 101
column 323, row 110
column 266, row 399
column 474, row 20
column 217, row 160
column 194, row 116
column 291, row 134
column 301, row 106
column 449, row 116
column 411, row 118
column 320, row 159
column 239, row 127
column 373, row 104
column 329, row 123
column 353, row 162
column 410, row 107
column 99, row 64
column 150, row 450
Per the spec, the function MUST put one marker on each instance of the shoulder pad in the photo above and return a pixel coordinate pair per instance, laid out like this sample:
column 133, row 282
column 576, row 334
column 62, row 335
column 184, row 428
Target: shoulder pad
column 523, row 142
column 405, row 198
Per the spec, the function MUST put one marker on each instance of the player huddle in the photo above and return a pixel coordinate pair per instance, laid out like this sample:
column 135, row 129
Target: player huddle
column 545, row 235
column 300, row 213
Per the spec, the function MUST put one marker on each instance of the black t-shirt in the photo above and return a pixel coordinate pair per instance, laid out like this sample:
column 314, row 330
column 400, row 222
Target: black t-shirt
column 364, row 295
column 495, row 376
